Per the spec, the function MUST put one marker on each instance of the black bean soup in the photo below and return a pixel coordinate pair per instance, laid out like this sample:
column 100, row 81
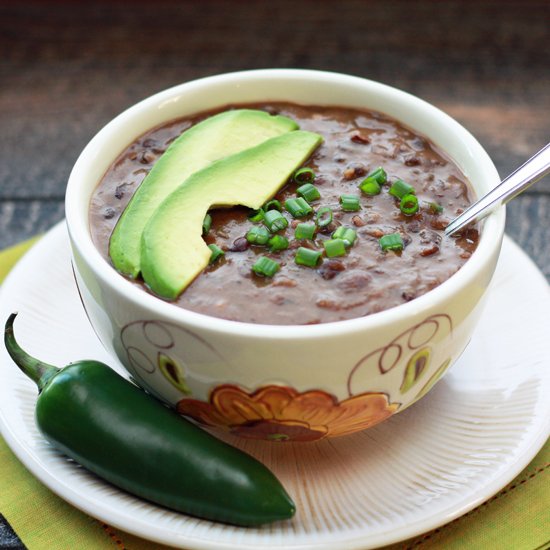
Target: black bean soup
column 365, row 279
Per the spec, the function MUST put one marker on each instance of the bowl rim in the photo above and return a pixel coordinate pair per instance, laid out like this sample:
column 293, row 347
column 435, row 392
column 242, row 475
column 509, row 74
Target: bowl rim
column 491, row 234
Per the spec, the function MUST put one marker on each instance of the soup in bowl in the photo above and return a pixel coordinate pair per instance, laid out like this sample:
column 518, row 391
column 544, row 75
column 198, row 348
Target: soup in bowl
column 319, row 305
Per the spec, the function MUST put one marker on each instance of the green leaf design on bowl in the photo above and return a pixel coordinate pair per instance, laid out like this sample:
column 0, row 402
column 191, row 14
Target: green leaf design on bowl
column 173, row 372
column 416, row 367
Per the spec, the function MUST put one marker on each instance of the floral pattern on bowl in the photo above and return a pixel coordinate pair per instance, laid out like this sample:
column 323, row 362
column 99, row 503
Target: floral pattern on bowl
column 407, row 365
column 280, row 413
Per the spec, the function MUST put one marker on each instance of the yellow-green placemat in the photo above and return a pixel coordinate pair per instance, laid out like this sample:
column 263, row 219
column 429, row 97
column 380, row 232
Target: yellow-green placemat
column 516, row 518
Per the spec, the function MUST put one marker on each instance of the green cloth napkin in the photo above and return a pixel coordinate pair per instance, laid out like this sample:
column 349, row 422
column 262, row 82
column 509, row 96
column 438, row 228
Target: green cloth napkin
column 517, row 518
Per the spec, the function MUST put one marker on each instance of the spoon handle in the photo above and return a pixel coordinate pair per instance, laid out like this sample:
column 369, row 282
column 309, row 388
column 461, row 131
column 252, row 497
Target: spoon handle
column 528, row 173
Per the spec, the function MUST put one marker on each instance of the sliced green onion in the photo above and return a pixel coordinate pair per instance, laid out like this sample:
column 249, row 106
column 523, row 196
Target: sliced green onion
column 409, row 205
column 265, row 267
column 258, row 235
column 256, row 215
column 307, row 257
column 272, row 205
column 298, row 208
column 275, row 221
column 399, row 189
column 323, row 216
column 309, row 192
column 304, row 175
column 393, row 241
column 206, row 224
column 434, row 208
column 379, row 175
column 350, row 203
column 277, row 242
column 305, row 231
column 346, row 234
column 334, row 247
column 370, row 186
column 216, row 252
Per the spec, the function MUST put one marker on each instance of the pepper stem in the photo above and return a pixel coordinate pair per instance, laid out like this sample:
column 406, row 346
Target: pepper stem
column 36, row 370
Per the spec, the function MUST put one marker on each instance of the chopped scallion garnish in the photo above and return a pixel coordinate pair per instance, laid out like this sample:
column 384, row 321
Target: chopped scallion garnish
column 393, row 241
column 305, row 231
column 370, row 186
column 350, row 203
column 298, row 208
column 265, row 267
column 277, row 242
column 273, row 204
column 409, row 205
column 347, row 234
column 256, row 215
column 307, row 257
column 323, row 216
column 304, row 175
column 206, row 224
column 334, row 248
column 275, row 221
column 257, row 235
column 217, row 252
column 309, row 192
column 379, row 175
column 434, row 208
column 399, row 189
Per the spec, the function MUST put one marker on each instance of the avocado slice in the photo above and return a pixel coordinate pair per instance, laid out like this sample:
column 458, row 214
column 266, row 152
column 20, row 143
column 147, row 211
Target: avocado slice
column 212, row 139
column 173, row 252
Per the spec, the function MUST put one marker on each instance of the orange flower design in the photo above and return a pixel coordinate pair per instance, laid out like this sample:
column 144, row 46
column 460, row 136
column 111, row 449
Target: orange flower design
column 281, row 413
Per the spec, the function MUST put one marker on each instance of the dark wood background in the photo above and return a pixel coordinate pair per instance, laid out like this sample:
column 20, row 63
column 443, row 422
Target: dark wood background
column 66, row 68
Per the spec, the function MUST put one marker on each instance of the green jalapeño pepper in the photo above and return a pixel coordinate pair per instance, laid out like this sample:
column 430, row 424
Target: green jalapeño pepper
column 114, row 429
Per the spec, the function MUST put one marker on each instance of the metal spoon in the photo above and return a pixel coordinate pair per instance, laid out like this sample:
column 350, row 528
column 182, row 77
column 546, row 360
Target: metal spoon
column 528, row 173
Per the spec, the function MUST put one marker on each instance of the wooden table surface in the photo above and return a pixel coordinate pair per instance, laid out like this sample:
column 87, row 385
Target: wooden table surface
column 67, row 68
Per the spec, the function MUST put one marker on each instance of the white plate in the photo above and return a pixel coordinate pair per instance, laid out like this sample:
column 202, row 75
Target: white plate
column 477, row 429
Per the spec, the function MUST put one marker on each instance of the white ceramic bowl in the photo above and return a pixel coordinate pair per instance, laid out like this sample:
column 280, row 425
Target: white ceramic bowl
column 284, row 382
